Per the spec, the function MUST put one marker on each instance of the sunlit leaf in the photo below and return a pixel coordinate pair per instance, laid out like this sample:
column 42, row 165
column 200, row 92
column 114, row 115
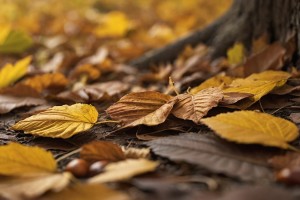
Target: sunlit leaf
column 60, row 121
column 236, row 54
column 16, row 41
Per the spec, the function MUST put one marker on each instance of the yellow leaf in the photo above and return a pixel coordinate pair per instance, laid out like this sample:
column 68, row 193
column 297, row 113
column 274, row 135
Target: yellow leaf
column 124, row 170
column 251, row 127
column 33, row 186
column 194, row 107
column 11, row 73
column 258, row 85
column 60, row 121
column 236, row 54
column 4, row 31
column 148, row 108
column 87, row 191
column 14, row 41
column 215, row 81
column 113, row 24
column 19, row 160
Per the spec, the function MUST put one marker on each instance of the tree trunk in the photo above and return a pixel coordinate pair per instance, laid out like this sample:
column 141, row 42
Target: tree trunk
column 243, row 22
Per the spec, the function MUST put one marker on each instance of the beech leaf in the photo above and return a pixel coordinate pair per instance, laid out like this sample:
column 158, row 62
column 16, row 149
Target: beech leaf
column 60, row 121
column 20, row 160
column 194, row 107
column 148, row 108
column 250, row 127
column 216, row 155
column 124, row 170
column 11, row 73
column 33, row 186
column 102, row 150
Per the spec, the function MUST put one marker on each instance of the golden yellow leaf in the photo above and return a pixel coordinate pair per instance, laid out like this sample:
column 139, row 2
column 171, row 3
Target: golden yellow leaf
column 20, row 160
column 15, row 188
column 11, row 73
column 60, row 121
column 257, row 84
column 251, row 127
column 194, row 107
column 148, row 108
column 4, row 31
column 236, row 54
column 124, row 170
column 113, row 24
column 216, row 81
column 87, row 191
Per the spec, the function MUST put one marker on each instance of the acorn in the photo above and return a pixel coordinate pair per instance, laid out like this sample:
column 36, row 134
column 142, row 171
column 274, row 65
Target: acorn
column 78, row 167
column 97, row 167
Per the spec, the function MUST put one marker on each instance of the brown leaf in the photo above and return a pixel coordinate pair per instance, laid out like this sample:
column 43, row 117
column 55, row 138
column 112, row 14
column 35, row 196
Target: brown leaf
column 270, row 58
column 102, row 150
column 8, row 103
column 295, row 117
column 234, row 97
column 286, row 89
column 216, row 155
column 194, row 107
column 148, row 108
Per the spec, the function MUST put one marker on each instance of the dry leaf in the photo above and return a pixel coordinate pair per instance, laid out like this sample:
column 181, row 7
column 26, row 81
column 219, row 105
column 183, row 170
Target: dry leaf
column 32, row 187
column 148, row 108
column 8, row 103
column 258, row 85
column 216, row 155
column 295, row 117
column 85, row 70
column 19, row 160
column 251, row 127
column 102, row 150
column 194, row 107
column 11, row 73
column 135, row 153
column 216, row 81
column 60, row 121
column 124, row 170
column 271, row 58
column 46, row 81
column 87, row 191
column 236, row 54
column 234, row 97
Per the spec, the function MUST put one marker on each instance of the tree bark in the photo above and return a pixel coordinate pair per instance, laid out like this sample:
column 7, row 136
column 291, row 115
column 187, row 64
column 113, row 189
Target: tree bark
column 243, row 22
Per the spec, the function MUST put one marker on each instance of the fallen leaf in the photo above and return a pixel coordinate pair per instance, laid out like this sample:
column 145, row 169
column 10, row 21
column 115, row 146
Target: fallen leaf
column 194, row 107
column 148, row 108
column 258, row 85
column 8, row 103
column 87, row 191
column 286, row 89
column 234, row 97
column 135, row 153
column 216, row 155
column 46, row 81
column 216, row 81
column 295, row 117
column 86, row 70
column 60, row 121
column 34, row 186
column 14, row 41
column 102, row 150
column 124, row 170
column 236, row 54
column 20, row 160
column 271, row 58
column 11, row 73
column 249, row 127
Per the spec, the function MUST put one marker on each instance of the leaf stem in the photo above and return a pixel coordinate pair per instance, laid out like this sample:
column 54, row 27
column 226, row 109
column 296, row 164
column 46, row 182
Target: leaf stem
column 68, row 154
column 107, row 121
column 293, row 148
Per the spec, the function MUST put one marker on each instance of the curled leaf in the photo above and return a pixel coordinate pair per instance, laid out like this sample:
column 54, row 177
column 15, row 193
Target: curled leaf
column 60, row 121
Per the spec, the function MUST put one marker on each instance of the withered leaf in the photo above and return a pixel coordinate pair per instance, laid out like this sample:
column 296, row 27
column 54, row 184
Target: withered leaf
column 148, row 108
column 234, row 97
column 124, row 170
column 102, row 150
column 60, row 121
column 20, row 160
column 250, row 127
column 194, row 107
column 8, row 103
column 215, row 155
column 86, row 191
column 295, row 117
column 33, row 186
column 135, row 153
